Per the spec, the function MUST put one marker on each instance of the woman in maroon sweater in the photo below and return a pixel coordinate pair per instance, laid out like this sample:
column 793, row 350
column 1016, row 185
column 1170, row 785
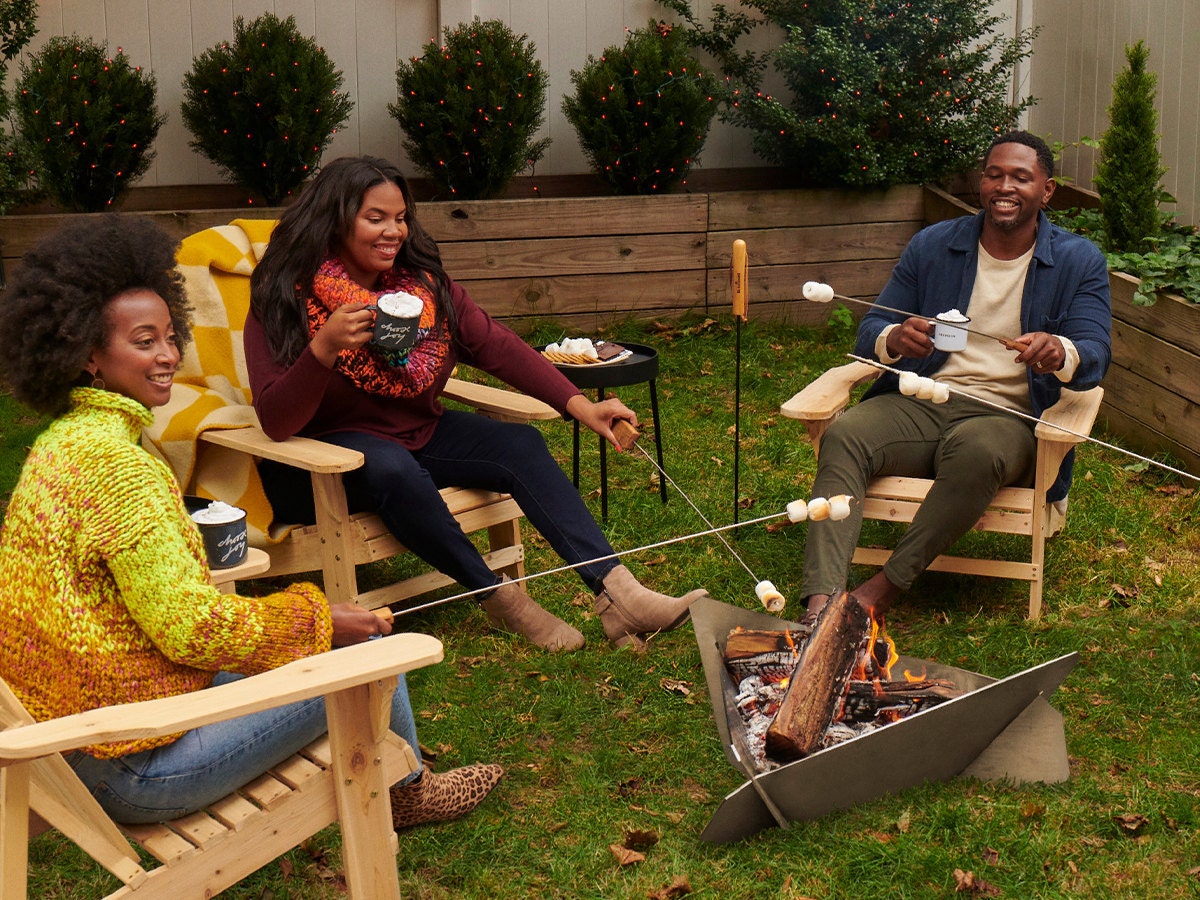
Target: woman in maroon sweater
column 351, row 237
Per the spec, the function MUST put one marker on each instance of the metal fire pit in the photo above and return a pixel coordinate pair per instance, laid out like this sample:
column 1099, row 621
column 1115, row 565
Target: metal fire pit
column 1000, row 729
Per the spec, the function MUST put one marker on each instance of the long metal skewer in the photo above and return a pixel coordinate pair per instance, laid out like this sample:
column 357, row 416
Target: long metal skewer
column 1007, row 342
column 703, row 518
column 1037, row 421
column 587, row 562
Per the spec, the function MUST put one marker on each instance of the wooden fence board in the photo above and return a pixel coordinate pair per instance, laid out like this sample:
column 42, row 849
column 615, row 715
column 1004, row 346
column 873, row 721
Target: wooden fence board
column 777, row 246
column 1156, row 412
column 608, row 298
column 737, row 210
column 564, row 217
column 616, row 254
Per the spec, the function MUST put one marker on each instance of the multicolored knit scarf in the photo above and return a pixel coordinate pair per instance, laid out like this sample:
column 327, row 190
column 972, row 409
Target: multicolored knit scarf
column 375, row 370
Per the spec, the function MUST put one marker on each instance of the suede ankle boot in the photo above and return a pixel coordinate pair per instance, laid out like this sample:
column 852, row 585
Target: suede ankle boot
column 511, row 608
column 435, row 797
column 632, row 612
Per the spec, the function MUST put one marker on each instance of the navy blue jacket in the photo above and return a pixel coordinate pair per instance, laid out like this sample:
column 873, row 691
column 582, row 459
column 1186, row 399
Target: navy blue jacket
column 1066, row 294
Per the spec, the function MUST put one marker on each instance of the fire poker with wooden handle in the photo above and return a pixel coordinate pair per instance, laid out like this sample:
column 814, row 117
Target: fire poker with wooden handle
column 818, row 292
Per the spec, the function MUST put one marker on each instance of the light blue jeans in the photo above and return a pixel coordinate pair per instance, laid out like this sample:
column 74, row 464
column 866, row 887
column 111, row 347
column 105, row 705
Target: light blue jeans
column 211, row 761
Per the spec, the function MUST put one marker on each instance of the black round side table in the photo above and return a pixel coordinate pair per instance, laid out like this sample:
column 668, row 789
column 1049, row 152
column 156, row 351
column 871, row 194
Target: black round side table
column 640, row 366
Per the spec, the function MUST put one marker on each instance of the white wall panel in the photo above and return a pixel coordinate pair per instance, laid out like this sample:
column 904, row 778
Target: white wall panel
column 1076, row 59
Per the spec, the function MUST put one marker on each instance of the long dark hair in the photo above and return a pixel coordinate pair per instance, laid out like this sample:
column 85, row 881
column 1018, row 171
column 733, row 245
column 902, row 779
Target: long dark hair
column 311, row 230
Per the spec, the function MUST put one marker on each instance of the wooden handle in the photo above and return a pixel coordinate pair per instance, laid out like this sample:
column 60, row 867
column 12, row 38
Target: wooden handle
column 739, row 278
column 384, row 613
column 625, row 434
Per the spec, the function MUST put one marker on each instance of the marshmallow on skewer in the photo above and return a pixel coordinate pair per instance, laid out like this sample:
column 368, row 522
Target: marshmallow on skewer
column 839, row 507
column 925, row 388
column 817, row 292
column 769, row 596
column 797, row 511
column 910, row 382
column 818, row 509
column 941, row 392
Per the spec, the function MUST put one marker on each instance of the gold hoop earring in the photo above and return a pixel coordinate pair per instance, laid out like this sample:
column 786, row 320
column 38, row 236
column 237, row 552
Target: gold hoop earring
column 98, row 382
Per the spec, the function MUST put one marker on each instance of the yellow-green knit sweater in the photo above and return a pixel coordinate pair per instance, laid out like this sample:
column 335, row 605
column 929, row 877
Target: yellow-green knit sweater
column 106, row 597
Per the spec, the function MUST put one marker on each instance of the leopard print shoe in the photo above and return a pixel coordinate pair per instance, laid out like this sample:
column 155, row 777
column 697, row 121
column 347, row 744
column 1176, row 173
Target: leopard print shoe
column 442, row 796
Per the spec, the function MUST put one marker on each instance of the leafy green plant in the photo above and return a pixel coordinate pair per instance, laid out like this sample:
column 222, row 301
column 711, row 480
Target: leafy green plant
column 1171, row 264
column 470, row 108
column 264, row 107
column 18, row 25
column 1129, row 171
column 642, row 111
column 877, row 93
column 90, row 120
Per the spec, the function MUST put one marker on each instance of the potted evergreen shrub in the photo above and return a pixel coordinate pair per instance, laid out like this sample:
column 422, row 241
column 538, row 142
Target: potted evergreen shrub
column 89, row 119
column 470, row 109
column 265, row 106
column 642, row 110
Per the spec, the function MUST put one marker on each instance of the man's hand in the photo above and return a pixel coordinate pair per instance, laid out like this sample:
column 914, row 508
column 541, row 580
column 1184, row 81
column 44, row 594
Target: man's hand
column 912, row 338
column 1040, row 351
column 599, row 417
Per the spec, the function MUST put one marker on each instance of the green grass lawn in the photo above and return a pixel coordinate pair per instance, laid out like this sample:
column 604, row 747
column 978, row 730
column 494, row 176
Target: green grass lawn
column 601, row 749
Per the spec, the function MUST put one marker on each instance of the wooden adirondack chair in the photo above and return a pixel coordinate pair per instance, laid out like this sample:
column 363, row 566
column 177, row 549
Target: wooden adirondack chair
column 1013, row 511
column 343, row 777
column 210, row 436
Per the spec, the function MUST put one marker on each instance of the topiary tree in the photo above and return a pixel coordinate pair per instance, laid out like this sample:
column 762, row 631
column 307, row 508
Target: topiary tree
column 18, row 25
column 877, row 93
column 90, row 120
column 642, row 111
column 470, row 108
column 264, row 107
column 1130, row 168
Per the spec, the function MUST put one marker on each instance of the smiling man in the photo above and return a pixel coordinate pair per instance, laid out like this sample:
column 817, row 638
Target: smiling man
column 1014, row 274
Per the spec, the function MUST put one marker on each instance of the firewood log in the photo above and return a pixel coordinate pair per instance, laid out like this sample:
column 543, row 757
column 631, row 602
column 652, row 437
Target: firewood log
column 819, row 682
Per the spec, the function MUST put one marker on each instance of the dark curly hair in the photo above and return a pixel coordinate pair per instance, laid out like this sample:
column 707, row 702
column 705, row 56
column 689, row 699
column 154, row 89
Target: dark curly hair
column 312, row 229
column 52, row 314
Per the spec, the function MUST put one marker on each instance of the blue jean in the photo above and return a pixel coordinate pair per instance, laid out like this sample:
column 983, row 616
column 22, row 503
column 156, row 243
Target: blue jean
column 472, row 451
column 212, row 761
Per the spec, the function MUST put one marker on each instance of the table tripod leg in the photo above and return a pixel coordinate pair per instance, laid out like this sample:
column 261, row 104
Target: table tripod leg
column 658, row 439
column 603, row 467
column 575, row 456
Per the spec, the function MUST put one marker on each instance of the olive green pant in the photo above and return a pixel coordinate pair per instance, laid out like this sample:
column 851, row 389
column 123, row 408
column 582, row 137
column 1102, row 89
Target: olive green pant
column 970, row 450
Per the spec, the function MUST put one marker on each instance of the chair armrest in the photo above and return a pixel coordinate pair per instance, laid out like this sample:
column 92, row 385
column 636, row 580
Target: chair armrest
column 303, row 453
column 829, row 394
column 314, row 676
column 498, row 403
column 1075, row 411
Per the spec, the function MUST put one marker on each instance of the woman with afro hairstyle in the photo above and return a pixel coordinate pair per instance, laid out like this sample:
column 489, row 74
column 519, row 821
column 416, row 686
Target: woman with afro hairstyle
column 351, row 237
column 107, row 594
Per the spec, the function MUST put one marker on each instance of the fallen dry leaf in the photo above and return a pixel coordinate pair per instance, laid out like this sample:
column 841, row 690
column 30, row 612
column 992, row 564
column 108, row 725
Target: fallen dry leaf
column 679, row 887
column 904, row 822
column 675, row 686
column 773, row 527
column 639, row 839
column 970, row 883
column 655, row 560
column 991, row 857
column 625, row 856
column 1131, row 824
column 1031, row 810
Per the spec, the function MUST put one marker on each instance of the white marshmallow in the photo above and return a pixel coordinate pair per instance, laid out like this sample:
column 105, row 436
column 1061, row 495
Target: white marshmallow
column 909, row 382
column 797, row 511
column 925, row 388
column 817, row 292
column 769, row 596
column 941, row 392
column 818, row 509
column 839, row 508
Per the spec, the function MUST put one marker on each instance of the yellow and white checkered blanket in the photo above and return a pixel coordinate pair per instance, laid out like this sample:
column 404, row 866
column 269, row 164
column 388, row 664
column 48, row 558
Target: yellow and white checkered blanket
column 212, row 389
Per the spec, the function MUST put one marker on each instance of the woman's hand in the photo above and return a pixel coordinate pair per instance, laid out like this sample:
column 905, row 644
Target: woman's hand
column 599, row 417
column 347, row 328
column 352, row 624
column 911, row 339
